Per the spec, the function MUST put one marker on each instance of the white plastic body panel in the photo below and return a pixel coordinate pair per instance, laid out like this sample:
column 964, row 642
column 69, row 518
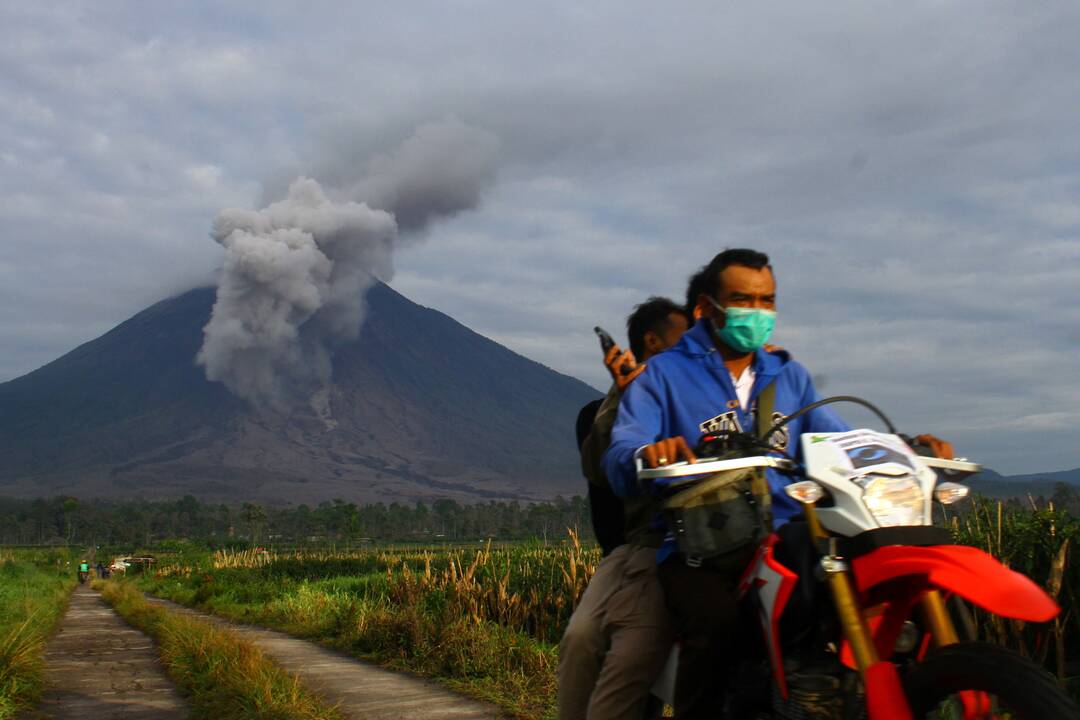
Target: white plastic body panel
column 839, row 460
column 836, row 461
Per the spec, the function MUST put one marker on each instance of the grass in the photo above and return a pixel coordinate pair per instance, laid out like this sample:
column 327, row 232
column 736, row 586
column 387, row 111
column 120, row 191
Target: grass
column 34, row 588
column 1038, row 541
column 224, row 676
column 485, row 621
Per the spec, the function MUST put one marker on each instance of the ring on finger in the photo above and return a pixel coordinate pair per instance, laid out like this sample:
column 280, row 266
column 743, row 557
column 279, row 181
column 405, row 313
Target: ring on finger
column 662, row 461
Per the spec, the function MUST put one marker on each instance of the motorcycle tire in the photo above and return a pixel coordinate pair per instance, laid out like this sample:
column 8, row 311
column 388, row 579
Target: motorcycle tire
column 1019, row 685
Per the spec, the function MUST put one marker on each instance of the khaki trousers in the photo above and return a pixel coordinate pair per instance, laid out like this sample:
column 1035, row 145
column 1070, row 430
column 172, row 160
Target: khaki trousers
column 617, row 640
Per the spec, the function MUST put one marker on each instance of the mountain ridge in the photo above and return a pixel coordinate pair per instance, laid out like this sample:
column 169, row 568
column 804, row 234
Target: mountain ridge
column 419, row 406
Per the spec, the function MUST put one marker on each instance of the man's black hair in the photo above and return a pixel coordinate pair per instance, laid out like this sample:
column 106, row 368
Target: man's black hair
column 653, row 315
column 733, row 256
column 694, row 288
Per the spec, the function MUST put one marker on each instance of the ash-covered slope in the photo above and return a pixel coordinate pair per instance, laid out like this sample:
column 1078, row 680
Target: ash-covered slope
column 419, row 406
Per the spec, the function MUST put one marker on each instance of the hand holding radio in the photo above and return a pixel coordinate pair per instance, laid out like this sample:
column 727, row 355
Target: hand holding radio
column 622, row 364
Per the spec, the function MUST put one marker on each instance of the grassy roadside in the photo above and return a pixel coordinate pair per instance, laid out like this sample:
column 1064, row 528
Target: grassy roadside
column 483, row 622
column 34, row 590
column 413, row 630
column 224, row 676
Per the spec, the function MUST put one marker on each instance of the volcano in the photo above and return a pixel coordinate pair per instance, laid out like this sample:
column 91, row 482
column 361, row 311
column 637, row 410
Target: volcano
column 419, row 407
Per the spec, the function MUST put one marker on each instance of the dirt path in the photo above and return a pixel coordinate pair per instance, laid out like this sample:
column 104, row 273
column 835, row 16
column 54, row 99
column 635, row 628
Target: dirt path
column 364, row 691
column 97, row 667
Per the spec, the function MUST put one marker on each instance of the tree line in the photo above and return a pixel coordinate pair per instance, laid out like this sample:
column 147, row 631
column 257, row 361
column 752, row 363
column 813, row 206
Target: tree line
column 68, row 520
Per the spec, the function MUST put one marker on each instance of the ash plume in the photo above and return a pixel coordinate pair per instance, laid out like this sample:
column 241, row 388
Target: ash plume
column 292, row 285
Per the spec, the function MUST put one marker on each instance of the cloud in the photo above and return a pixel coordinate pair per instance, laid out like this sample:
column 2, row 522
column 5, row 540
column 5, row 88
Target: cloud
column 911, row 168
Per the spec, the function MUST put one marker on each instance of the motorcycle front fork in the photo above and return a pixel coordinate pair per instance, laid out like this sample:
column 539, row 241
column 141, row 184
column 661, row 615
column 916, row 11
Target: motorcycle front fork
column 885, row 678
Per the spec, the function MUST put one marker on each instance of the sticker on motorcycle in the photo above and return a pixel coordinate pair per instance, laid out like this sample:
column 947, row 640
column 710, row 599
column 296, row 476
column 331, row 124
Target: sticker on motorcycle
column 870, row 455
column 863, row 449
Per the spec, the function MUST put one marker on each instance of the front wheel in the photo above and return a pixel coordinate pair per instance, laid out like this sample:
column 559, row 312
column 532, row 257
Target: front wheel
column 1018, row 689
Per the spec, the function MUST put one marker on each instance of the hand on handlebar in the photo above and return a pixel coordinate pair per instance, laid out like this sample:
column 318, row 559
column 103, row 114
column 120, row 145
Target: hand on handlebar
column 667, row 451
column 941, row 448
column 623, row 366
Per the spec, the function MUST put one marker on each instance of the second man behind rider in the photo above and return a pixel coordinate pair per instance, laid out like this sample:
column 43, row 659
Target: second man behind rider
column 619, row 635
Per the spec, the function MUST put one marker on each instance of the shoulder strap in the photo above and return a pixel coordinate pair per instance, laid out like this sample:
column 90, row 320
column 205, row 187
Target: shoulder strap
column 766, row 401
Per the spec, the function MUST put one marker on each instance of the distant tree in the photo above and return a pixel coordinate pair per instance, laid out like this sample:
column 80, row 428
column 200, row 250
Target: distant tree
column 68, row 506
column 255, row 516
column 1066, row 497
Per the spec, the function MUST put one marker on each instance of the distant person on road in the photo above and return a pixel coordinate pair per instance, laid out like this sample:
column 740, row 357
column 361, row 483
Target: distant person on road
column 605, row 671
column 84, row 571
column 100, row 570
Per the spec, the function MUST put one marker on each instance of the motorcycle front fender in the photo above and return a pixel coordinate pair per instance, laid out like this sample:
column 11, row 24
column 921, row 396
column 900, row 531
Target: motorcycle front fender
column 968, row 572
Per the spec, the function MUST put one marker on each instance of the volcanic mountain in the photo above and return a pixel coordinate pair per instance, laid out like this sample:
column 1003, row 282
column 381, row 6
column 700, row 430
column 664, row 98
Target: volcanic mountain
column 418, row 407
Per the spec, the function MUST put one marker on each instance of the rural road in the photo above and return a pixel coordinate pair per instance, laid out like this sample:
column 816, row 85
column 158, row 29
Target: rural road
column 97, row 667
column 361, row 690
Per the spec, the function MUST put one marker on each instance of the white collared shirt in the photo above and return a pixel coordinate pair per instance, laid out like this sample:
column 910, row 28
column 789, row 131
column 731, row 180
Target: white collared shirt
column 744, row 384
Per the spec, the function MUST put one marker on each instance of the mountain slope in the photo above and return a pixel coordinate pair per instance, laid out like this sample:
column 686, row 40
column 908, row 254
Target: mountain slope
column 419, row 405
column 994, row 485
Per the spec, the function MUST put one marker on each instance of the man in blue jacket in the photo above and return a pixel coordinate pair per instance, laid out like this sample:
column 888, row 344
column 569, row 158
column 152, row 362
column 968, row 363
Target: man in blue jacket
column 711, row 379
column 708, row 382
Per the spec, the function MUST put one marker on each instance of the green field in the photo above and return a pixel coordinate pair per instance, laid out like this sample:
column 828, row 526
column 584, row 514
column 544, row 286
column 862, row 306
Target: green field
column 1039, row 540
column 34, row 587
column 485, row 620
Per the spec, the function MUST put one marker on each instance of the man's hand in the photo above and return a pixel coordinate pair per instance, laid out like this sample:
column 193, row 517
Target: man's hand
column 667, row 451
column 622, row 366
column 941, row 448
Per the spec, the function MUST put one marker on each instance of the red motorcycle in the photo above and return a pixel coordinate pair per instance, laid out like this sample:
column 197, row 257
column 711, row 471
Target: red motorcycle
column 862, row 602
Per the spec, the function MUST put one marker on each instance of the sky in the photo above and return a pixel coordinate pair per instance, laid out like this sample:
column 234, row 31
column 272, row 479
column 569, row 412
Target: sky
column 913, row 170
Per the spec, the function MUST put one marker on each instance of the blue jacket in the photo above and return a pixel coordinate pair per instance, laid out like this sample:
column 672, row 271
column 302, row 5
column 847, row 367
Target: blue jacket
column 688, row 391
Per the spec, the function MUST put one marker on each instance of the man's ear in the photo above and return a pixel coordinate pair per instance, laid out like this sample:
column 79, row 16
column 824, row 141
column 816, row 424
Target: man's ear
column 702, row 308
column 705, row 309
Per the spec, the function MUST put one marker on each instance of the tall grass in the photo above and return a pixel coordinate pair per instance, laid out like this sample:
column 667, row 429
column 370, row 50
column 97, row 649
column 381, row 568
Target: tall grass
column 34, row 587
column 225, row 676
column 484, row 619
column 488, row 617
column 1037, row 540
column 528, row 588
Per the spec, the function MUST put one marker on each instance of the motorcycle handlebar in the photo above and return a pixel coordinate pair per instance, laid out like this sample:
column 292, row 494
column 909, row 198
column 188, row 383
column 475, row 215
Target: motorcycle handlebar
column 708, row 466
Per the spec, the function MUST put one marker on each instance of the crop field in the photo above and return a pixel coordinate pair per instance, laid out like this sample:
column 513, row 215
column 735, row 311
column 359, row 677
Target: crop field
column 487, row 620
column 34, row 586
column 1040, row 541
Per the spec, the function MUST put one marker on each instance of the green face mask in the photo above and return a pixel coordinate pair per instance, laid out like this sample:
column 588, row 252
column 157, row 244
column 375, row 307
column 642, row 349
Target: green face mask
column 745, row 329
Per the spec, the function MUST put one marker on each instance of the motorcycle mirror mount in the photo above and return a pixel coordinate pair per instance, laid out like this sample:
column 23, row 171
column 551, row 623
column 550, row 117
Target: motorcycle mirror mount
column 948, row 493
column 807, row 492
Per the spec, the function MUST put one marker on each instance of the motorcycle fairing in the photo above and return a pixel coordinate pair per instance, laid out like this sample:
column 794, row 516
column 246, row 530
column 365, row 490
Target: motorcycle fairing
column 969, row 572
column 885, row 698
column 772, row 583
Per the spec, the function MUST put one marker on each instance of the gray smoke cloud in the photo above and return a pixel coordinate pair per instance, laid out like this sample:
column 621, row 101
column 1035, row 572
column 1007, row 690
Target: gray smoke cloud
column 292, row 285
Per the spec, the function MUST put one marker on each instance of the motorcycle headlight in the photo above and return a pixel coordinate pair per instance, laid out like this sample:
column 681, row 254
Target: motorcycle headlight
column 894, row 500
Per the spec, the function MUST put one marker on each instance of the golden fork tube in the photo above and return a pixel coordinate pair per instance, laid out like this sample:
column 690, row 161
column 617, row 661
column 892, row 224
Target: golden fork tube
column 938, row 620
column 816, row 531
column 847, row 604
column 851, row 619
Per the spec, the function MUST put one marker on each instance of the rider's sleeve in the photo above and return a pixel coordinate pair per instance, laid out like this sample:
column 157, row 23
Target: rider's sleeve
column 639, row 422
